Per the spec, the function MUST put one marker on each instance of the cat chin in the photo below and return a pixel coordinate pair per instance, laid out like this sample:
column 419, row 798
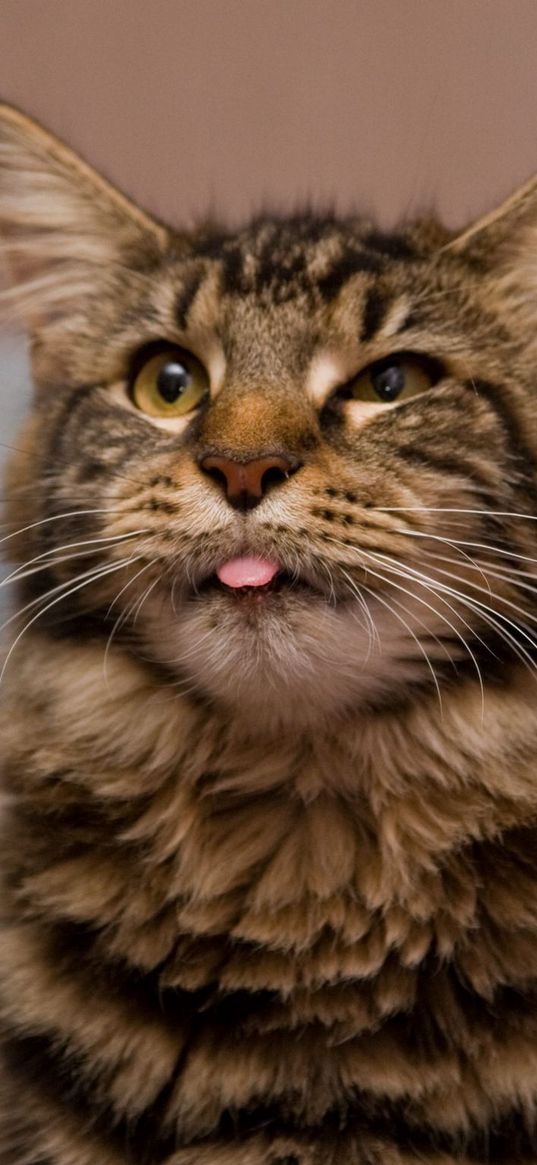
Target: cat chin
column 290, row 661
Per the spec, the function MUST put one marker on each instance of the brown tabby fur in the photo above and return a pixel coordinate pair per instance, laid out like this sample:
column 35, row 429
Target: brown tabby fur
column 270, row 860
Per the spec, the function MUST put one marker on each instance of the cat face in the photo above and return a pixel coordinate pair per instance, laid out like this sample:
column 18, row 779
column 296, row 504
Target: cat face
column 292, row 465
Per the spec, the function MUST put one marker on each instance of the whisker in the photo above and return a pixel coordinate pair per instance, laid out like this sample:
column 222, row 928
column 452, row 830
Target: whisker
column 454, row 510
column 94, row 576
column 509, row 575
column 492, row 618
column 53, row 518
column 437, row 585
column 122, row 616
column 62, row 462
column 22, row 571
column 463, row 542
column 372, row 629
column 325, row 567
column 440, row 615
column 127, row 585
column 142, row 600
column 60, row 587
column 468, row 558
column 430, row 634
column 474, row 604
column 400, row 570
column 420, row 646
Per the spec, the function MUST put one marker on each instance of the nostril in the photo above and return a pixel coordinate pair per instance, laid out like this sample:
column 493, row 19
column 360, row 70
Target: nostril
column 217, row 475
column 273, row 476
column 245, row 483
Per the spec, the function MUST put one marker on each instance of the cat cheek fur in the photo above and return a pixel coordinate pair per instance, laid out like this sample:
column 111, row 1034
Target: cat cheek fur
column 268, row 854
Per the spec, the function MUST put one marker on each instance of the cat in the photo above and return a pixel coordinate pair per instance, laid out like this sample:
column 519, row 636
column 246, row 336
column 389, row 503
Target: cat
column 269, row 714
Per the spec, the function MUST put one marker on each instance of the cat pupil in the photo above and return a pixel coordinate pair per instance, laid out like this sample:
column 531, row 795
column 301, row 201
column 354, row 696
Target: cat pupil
column 172, row 381
column 389, row 383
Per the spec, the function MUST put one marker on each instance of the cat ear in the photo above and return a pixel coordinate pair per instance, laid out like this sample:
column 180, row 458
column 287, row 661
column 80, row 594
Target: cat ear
column 505, row 240
column 61, row 226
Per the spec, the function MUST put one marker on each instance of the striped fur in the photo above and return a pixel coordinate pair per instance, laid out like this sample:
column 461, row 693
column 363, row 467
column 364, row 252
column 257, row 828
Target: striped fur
column 269, row 860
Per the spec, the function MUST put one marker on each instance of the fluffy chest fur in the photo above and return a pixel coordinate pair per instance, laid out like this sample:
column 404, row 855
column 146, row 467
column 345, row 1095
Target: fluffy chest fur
column 268, row 717
column 322, row 929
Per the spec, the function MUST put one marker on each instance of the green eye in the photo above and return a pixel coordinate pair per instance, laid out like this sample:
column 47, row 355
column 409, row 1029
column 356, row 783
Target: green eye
column 393, row 379
column 170, row 384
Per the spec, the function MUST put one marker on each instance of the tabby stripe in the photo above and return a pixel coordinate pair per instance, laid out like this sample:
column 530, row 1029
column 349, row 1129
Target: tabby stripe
column 38, row 1063
column 417, row 455
column 350, row 264
column 212, row 245
column 375, row 308
column 412, row 320
column 233, row 276
column 511, row 1140
column 187, row 295
column 266, row 276
column 74, row 951
column 65, row 622
column 60, row 1076
column 76, row 397
column 495, row 667
column 392, row 245
column 72, row 948
column 495, row 658
column 506, row 416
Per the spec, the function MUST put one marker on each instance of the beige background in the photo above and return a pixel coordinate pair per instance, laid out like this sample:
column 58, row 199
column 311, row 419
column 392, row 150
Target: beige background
column 188, row 104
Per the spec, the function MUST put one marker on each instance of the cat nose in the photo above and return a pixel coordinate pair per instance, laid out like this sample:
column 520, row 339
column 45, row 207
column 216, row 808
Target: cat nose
column 245, row 483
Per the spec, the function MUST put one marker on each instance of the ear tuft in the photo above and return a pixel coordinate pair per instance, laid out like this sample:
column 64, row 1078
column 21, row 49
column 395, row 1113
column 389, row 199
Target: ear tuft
column 61, row 225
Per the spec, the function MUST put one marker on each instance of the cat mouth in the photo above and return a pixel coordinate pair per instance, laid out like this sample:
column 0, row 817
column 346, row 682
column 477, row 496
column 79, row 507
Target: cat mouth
column 255, row 579
column 280, row 584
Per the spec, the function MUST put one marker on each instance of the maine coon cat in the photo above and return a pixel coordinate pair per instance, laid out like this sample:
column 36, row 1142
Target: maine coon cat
column 269, row 723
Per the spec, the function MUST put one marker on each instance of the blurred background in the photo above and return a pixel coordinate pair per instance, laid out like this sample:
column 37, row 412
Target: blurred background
column 386, row 104
column 389, row 106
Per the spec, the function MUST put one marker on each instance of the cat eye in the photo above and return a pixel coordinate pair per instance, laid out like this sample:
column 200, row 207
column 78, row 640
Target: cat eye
column 170, row 383
column 393, row 379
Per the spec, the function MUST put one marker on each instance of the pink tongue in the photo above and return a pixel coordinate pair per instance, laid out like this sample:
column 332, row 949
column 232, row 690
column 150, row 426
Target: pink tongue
column 247, row 572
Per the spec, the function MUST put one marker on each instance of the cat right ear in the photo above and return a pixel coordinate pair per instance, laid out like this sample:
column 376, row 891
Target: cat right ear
column 62, row 228
column 505, row 240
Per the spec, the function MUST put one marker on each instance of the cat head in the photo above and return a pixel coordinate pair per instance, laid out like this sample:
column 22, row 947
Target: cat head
column 292, row 465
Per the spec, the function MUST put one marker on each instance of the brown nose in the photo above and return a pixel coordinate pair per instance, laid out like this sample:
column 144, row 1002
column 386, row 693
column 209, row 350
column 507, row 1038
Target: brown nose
column 246, row 482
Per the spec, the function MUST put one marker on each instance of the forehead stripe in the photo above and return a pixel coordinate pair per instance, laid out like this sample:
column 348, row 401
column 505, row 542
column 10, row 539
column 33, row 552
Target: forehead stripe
column 393, row 246
column 507, row 417
column 186, row 297
column 352, row 263
column 375, row 308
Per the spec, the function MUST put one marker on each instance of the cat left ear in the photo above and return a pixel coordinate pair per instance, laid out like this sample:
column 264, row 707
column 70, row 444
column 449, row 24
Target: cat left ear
column 61, row 226
column 505, row 238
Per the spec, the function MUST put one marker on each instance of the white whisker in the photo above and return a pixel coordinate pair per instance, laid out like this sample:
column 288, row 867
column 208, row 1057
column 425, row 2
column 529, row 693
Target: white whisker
column 384, row 602
column 495, row 619
column 138, row 607
column 54, row 518
column 23, row 570
column 123, row 616
column 509, row 575
column 454, row 510
column 373, row 634
column 487, row 613
column 401, row 571
column 463, row 542
column 437, row 585
column 94, row 575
